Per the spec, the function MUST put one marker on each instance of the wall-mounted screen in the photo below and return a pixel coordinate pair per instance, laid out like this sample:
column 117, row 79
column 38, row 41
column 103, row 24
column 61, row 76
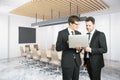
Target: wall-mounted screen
column 27, row 35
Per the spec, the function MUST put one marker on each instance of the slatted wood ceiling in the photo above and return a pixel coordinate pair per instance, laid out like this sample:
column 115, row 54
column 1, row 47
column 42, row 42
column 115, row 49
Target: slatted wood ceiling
column 51, row 9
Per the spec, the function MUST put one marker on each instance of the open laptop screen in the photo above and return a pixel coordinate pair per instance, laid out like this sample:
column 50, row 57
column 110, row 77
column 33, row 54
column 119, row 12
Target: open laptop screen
column 78, row 40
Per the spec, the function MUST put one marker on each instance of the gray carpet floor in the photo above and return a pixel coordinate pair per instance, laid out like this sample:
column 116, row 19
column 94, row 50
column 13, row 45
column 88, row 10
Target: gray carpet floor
column 28, row 69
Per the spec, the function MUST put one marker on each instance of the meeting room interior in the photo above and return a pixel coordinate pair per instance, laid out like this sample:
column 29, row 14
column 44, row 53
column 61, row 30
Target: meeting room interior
column 29, row 31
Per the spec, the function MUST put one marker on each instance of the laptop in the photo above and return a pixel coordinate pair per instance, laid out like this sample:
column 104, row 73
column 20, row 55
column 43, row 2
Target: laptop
column 78, row 40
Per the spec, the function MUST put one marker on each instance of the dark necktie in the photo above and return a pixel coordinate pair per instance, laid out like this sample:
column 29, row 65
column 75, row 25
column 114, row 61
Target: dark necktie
column 73, row 33
column 89, row 36
column 74, row 56
column 89, row 41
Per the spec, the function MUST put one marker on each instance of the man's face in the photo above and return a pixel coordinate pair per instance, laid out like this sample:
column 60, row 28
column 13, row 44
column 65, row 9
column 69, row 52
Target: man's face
column 89, row 26
column 75, row 25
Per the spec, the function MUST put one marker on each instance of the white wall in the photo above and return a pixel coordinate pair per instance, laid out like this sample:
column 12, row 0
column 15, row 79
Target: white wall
column 46, row 36
column 3, row 36
column 9, row 46
column 15, row 22
column 103, row 24
column 115, row 39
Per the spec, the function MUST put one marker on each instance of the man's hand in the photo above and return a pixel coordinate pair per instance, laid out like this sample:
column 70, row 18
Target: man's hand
column 78, row 48
column 88, row 49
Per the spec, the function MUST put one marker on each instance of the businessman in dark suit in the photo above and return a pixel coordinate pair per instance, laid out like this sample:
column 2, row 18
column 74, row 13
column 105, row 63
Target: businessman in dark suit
column 93, row 57
column 71, row 61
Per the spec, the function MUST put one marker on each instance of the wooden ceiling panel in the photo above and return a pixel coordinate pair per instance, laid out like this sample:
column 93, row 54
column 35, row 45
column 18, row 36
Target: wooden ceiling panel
column 51, row 9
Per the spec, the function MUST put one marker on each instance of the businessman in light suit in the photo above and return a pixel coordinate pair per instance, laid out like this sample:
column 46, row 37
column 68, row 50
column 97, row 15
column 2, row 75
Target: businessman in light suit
column 93, row 57
column 71, row 61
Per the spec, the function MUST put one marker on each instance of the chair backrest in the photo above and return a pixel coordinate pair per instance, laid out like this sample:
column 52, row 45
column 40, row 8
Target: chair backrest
column 27, row 50
column 34, row 52
column 43, row 53
column 48, row 52
column 22, row 51
column 39, row 53
column 54, row 56
column 36, row 46
column 54, row 59
column 44, row 57
column 28, row 47
column 59, row 53
column 53, row 47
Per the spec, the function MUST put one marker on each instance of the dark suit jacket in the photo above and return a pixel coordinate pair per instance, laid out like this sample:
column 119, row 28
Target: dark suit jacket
column 99, row 46
column 67, row 55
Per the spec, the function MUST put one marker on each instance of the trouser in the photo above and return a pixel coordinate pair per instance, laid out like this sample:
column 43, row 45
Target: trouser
column 94, row 73
column 71, row 73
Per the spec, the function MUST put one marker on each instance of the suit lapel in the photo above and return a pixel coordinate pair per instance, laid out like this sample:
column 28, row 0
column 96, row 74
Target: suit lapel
column 66, row 33
column 93, row 37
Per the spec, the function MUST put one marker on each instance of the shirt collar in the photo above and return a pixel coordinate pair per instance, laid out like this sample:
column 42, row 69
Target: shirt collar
column 92, row 31
column 70, row 30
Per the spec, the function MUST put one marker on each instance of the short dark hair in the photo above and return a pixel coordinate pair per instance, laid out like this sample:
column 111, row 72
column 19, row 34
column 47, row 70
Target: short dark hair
column 90, row 19
column 73, row 18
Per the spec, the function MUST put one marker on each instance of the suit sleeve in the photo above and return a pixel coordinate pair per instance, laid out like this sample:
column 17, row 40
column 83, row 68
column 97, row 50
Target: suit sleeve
column 102, row 46
column 59, row 42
